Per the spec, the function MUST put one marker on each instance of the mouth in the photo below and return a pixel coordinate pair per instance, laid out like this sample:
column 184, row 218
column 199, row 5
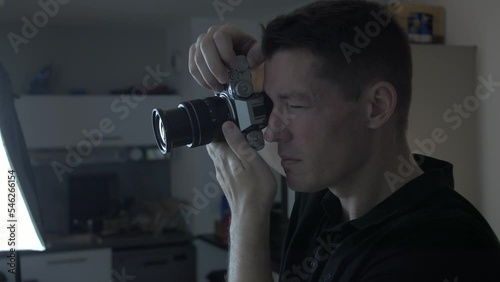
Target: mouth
column 288, row 161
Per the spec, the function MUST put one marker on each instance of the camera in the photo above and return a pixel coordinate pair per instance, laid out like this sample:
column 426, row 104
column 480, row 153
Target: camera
column 199, row 122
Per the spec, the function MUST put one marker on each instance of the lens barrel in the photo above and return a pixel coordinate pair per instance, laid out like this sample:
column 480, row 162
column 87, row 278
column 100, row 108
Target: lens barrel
column 193, row 123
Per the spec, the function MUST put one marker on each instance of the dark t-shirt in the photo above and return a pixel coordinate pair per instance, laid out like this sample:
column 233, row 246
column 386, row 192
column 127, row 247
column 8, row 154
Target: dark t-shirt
column 425, row 231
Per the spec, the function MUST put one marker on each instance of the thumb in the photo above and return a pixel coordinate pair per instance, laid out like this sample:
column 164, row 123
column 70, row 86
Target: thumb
column 235, row 139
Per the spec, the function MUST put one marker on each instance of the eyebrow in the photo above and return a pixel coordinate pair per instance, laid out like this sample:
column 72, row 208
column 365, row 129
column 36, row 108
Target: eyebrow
column 295, row 95
column 299, row 96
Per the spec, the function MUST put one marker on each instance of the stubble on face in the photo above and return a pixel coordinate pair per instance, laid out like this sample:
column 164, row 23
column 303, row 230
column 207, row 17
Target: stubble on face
column 321, row 135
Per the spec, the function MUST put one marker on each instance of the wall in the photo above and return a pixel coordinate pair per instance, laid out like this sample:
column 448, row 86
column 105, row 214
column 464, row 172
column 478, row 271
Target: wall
column 96, row 58
column 476, row 23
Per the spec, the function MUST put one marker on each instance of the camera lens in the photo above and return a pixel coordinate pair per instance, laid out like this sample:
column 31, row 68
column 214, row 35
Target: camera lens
column 171, row 128
column 193, row 123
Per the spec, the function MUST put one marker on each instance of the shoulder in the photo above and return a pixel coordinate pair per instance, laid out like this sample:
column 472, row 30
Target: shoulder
column 453, row 240
column 445, row 221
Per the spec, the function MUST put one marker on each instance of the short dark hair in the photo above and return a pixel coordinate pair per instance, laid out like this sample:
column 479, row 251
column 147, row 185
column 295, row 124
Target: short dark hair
column 331, row 30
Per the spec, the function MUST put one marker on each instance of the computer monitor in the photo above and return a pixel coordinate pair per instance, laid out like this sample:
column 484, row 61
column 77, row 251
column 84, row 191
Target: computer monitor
column 19, row 207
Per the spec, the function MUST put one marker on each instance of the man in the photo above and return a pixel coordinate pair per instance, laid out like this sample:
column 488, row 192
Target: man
column 339, row 121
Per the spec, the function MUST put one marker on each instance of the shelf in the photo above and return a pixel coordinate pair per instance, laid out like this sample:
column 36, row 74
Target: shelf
column 102, row 120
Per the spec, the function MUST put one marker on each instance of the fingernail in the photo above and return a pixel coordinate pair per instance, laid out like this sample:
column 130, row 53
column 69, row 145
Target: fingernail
column 224, row 78
column 228, row 127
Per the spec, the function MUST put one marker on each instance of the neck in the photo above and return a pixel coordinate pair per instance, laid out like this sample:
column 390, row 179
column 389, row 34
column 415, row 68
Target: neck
column 375, row 180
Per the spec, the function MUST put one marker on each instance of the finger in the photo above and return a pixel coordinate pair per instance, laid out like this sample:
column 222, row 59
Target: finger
column 224, row 158
column 210, row 150
column 232, row 41
column 241, row 40
column 212, row 55
column 237, row 142
column 193, row 68
column 224, row 43
column 205, row 72
column 255, row 56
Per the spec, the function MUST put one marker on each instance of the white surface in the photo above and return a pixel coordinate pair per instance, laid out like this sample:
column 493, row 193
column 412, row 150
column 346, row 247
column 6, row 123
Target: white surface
column 23, row 236
column 79, row 266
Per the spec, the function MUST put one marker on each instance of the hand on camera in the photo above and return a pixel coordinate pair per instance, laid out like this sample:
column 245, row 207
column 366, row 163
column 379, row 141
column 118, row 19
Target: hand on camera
column 246, row 180
column 217, row 49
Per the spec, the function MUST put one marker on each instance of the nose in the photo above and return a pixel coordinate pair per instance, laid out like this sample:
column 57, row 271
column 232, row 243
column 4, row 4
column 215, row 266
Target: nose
column 276, row 129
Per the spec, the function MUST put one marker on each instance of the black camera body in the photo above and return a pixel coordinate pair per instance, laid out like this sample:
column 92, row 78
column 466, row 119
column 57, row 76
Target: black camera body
column 199, row 122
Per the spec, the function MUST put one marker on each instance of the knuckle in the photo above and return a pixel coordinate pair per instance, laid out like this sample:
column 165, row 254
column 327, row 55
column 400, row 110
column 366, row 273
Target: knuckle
column 227, row 26
column 198, row 58
column 218, row 35
column 216, row 150
column 235, row 140
column 213, row 28
column 192, row 70
column 204, row 43
column 242, row 146
column 209, row 150
column 218, row 176
column 200, row 37
column 192, row 48
column 221, row 154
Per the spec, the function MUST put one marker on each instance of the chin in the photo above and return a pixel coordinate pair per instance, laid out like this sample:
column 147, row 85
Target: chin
column 302, row 185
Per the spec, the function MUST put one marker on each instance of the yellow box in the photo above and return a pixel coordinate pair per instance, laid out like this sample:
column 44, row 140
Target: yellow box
column 401, row 12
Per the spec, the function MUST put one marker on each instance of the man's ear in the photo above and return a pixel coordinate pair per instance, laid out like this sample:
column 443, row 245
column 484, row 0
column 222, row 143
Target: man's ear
column 381, row 102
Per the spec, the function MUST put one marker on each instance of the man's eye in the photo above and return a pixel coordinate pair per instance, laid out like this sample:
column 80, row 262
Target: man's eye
column 296, row 106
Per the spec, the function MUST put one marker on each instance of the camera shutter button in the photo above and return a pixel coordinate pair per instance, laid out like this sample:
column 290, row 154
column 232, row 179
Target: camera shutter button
column 244, row 89
column 256, row 139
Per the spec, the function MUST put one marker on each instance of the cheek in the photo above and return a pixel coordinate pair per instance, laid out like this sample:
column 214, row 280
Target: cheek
column 330, row 136
column 307, row 131
column 313, row 138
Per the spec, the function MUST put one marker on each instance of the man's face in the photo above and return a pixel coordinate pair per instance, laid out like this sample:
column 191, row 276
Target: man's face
column 321, row 137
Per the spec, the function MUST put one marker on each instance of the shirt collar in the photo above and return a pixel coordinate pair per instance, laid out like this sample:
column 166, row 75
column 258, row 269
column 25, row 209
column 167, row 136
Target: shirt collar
column 437, row 174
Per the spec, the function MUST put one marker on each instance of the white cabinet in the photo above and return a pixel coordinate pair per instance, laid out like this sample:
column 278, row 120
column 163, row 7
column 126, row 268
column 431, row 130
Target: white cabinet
column 176, row 263
column 58, row 121
column 79, row 266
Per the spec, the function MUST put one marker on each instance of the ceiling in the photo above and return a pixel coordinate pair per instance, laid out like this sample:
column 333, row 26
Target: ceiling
column 101, row 12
